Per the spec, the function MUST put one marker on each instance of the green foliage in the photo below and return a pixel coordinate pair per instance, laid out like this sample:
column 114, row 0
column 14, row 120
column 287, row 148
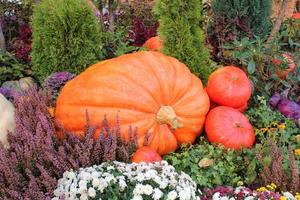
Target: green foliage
column 272, row 124
column 11, row 69
column 244, row 17
column 258, row 60
column 66, row 37
column 115, row 44
column 210, row 165
column 289, row 35
column 183, row 38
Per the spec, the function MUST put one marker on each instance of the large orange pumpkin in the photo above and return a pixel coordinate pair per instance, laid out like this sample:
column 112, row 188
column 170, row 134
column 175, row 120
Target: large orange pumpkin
column 154, row 44
column 148, row 90
column 229, row 127
column 145, row 154
column 229, row 86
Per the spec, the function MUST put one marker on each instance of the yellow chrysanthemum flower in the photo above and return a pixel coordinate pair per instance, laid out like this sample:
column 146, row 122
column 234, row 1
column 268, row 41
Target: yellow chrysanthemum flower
column 281, row 126
column 262, row 189
column 297, row 152
column 273, row 185
column 298, row 137
column 283, row 198
column 240, row 183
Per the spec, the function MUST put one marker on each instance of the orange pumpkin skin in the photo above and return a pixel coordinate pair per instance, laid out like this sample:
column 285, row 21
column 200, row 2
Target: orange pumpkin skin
column 154, row 44
column 296, row 15
column 229, row 127
column 243, row 108
column 148, row 90
column 146, row 154
column 229, row 86
column 292, row 66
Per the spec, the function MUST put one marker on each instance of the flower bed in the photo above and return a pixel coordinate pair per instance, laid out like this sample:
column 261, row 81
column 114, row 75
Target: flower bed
column 207, row 108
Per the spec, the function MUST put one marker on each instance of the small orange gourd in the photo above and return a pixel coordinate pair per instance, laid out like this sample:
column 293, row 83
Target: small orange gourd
column 154, row 44
column 146, row 154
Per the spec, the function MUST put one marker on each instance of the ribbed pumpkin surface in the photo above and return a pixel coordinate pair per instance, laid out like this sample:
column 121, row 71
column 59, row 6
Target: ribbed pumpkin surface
column 148, row 90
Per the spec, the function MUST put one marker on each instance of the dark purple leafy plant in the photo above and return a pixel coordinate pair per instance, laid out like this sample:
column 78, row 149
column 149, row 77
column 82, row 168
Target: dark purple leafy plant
column 288, row 108
column 36, row 159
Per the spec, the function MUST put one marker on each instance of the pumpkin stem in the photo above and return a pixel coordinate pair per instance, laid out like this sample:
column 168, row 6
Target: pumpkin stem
column 238, row 125
column 166, row 115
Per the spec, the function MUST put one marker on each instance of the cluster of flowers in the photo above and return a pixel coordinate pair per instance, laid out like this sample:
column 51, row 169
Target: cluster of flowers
column 56, row 81
column 239, row 193
column 134, row 181
column 12, row 1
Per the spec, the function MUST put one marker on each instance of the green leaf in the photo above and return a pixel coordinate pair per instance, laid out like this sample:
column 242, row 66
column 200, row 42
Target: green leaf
column 251, row 67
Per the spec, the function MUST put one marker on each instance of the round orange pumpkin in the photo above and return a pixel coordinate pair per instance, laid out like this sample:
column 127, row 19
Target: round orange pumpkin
column 154, row 44
column 229, row 127
column 229, row 86
column 282, row 74
column 148, row 90
column 146, row 154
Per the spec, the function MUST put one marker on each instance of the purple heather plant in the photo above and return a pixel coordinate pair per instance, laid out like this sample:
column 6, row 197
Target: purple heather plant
column 36, row 159
column 8, row 93
column 56, row 81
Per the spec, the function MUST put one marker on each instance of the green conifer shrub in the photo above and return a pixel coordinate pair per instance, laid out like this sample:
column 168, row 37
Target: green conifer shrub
column 245, row 15
column 66, row 37
column 183, row 38
column 235, row 19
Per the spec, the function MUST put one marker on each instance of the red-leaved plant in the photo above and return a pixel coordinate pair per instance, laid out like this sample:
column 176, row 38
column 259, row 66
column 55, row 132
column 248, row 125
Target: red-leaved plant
column 22, row 46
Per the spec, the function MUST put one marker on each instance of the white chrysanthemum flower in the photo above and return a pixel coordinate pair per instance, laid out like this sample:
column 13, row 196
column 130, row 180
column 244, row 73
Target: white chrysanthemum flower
column 247, row 198
column 92, row 192
column 216, row 196
column 224, row 198
column 73, row 188
column 56, row 192
column 163, row 184
column 138, row 190
column 95, row 182
column 95, row 174
column 148, row 189
column 137, row 197
column 289, row 196
column 83, row 184
column 157, row 194
column 84, row 196
column 140, row 177
column 122, row 184
column 109, row 168
column 185, row 194
column 172, row 195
